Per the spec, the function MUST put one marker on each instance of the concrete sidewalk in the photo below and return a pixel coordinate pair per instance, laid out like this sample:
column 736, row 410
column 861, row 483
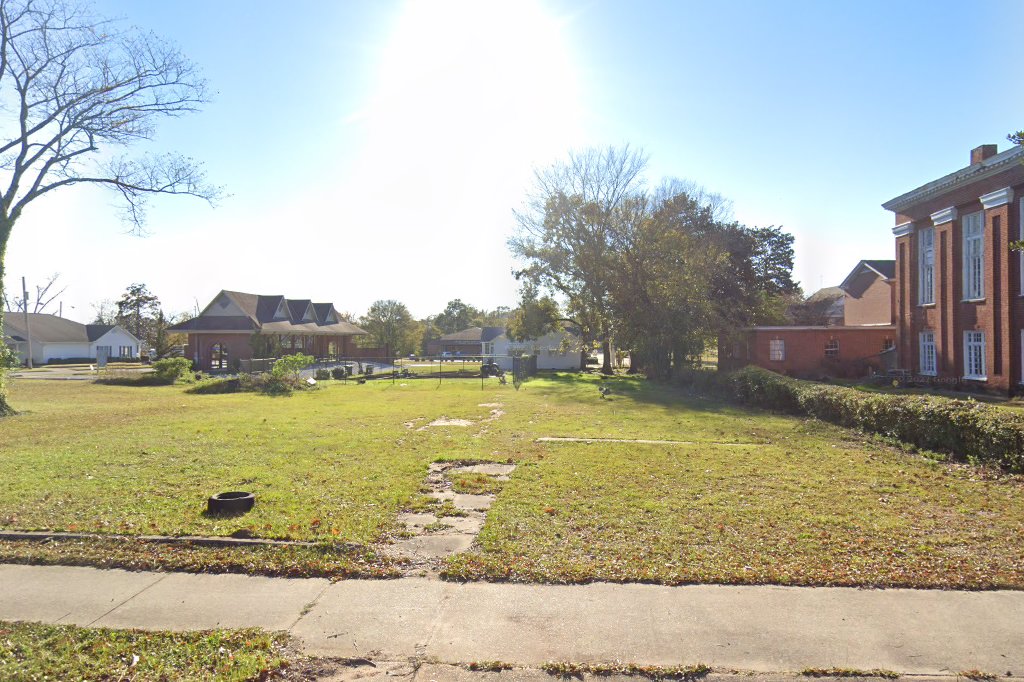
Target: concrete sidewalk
column 764, row 629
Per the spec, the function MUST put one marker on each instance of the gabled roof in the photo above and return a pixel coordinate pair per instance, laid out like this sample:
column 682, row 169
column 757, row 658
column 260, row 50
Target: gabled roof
column 886, row 269
column 45, row 328
column 300, row 316
column 474, row 335
column 826, row 294
column 965, row 176
column 95, row 331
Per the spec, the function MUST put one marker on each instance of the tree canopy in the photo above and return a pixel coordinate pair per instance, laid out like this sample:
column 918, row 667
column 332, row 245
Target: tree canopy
column 392, row 325
column 663, row 271
column 78, row 90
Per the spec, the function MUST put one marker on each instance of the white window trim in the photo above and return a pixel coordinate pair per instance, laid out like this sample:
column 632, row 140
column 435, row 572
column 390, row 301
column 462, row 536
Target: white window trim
column 922, row 298
column 983, row 376
column 1020, row 235
column 934, row 370
column 968, row 295
column 782, row 348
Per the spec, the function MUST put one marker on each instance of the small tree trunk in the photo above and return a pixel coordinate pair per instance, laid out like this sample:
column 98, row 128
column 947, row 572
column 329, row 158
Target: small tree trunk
column 5, row 234
column 606, row 349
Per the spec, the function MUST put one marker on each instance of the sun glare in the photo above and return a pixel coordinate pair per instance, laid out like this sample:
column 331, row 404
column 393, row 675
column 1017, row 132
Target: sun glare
column 468, row 89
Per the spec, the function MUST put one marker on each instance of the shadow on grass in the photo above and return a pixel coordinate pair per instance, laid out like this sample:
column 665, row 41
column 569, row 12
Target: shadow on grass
column 641, row 390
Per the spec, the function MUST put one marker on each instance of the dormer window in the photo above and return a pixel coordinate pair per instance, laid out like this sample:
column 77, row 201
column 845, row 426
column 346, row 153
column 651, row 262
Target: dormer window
column 282, row 312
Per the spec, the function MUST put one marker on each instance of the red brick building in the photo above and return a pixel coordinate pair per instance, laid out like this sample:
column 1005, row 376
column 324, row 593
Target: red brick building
column 959, row 310
column 813, row 352
column 237, row 326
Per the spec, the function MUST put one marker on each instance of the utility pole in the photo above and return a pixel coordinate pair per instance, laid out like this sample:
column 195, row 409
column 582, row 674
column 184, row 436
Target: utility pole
column 28, row 332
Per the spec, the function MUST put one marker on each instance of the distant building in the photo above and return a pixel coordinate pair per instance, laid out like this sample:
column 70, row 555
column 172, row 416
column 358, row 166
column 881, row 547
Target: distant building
column 868, row 293
column 58, row 338
column 558, row 350
column 845, row 331
column 958, row 286
column 237, row 326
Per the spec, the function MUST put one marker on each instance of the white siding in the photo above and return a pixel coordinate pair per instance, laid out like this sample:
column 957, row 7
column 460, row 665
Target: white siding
column 548, row 350
column 42, row 352
column 115, row 338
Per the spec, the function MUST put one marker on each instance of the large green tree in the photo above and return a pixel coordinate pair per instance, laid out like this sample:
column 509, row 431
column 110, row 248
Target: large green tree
column 391, row 325
column 456, row 317
column 77, row 91
column 565, row 233
column 138, row 311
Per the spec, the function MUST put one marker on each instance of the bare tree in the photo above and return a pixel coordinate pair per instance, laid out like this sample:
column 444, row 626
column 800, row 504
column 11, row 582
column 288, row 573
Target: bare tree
column 75, row 89
column 43, row 298
column 565, row 232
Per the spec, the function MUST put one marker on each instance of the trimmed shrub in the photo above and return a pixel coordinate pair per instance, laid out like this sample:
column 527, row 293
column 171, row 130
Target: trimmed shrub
column 322, row 374
column 171, row 370
column 966, row 429
column 339, row 372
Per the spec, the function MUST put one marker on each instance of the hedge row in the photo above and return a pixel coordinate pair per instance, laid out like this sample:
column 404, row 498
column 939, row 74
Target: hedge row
column 966, row 429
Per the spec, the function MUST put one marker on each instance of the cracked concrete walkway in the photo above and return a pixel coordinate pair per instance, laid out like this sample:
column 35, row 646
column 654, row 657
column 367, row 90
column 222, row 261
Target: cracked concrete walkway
column 765, row 629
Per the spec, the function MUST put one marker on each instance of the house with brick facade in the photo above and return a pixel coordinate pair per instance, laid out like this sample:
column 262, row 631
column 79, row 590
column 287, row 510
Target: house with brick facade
column 236, row 326
column 958, row 286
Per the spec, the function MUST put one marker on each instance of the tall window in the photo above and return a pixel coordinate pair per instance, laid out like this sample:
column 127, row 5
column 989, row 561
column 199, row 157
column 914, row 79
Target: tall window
column 927, row 354
column 926, row 266
column 832, row 349
column 974, row 355
column 777, row 350
column 126, row 351
column 218, row 356
column 974, row 256
column 1020, row 235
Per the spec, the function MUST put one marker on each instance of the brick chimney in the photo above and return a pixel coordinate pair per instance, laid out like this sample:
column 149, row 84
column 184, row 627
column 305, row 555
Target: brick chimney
column 979, row 154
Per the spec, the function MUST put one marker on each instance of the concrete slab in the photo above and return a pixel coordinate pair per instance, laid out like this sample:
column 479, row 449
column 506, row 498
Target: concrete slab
column 469, row 525
column 183, row 601
column 66, row 594
column 489, row 469
column 373, row 619
column 748, row 628
column 416, row 521
column 432, row 546
column 471, row 502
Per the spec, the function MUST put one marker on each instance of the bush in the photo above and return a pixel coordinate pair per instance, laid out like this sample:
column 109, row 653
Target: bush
column 171, row 370
column 966, row 429
column 322, row 374
column 216, row 386
column 290, row 365
column 339, row 372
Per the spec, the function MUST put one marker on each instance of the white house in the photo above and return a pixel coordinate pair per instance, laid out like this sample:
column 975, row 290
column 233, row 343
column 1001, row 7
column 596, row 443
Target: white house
column 57, row 338
column 559, row 350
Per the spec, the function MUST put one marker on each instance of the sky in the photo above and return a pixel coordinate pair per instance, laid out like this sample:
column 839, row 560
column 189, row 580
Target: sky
column 376, row 149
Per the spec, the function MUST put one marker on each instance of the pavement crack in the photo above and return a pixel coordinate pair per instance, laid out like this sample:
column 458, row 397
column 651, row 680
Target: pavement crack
column 308, row 607
column 133, row 596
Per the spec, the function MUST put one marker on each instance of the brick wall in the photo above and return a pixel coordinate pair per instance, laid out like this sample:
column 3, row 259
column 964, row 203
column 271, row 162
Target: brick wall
column 1000, row 314
column 859, row 349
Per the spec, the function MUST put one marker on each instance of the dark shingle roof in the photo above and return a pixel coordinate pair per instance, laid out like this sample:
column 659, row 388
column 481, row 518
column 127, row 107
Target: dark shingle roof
column 259, row 316
column 52, row 329
column 475, row 334
column 887, row 268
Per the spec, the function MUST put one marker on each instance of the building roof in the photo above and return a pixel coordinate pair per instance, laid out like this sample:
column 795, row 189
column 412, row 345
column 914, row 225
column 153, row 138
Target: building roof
column 826, row 294
column 273, row 314
column 965, row 176
column 886, row 269
column 45, row 328
column 474, row 335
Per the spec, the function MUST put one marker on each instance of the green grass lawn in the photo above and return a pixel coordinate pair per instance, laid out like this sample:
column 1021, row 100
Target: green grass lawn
column 31, row 651
column 758, row 498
